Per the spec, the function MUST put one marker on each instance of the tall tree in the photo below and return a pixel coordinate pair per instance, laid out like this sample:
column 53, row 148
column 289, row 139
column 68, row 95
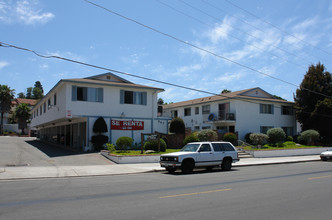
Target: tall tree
column 39, row 85
column 160, row 101
column 21, row 95
column 22, row 112
column 29, row 93
column 37, row 93
column 313, row 101
column 6, row 96
column 224, row 91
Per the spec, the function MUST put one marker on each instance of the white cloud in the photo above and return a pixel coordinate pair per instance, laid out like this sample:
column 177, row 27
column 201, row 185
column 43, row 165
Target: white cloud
column 229, row 77
column 221, row 31
column 186, row 71
column 23, row 11
column 68, row 55
column 43, row 66
column 3, row 64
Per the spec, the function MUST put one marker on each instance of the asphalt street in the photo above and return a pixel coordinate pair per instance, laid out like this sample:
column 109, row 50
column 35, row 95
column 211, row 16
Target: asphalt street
column 284, row 191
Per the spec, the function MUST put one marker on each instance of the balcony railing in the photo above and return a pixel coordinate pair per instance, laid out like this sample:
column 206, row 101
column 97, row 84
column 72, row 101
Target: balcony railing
column 226, row 116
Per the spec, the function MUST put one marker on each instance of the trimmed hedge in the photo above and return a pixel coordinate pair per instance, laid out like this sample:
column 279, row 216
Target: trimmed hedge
column 123, row 143
column 258, row 138
column 191, row 138
column 153, row 145
column 308, row 137
column 207, row 135
column 230, row 137
column 98, row 141
column 276, row 135
column 177, row 126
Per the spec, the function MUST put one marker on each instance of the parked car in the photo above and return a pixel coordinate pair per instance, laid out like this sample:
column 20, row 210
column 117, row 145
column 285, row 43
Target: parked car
column 200, row 154
column 326, row 155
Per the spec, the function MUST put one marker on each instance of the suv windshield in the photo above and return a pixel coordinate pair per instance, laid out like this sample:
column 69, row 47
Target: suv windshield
column 190, row 147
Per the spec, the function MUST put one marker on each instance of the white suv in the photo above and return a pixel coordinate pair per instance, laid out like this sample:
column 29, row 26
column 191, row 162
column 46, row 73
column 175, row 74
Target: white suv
column 200, row 154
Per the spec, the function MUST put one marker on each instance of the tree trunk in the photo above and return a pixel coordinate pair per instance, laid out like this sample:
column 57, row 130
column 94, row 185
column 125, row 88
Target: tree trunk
column 1, row 125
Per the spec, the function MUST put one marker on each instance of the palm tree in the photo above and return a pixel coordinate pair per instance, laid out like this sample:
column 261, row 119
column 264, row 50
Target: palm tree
column 6, row 96
column 22, row 112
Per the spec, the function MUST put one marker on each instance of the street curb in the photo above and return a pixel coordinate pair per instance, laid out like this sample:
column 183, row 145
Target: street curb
column 149, row 171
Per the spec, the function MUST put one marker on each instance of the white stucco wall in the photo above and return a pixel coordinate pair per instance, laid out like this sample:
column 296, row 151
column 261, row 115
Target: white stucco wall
column 109, row 109
column 247, row 116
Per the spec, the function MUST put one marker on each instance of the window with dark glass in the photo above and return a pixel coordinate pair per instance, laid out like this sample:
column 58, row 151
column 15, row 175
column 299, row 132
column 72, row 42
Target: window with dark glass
column 54, row 99
column 266, row 108
column 286, row 110
column 128, row 97
column 133, row 97
column 205, row 109
column 87, row 94
column 196, row 110
column 187, row 111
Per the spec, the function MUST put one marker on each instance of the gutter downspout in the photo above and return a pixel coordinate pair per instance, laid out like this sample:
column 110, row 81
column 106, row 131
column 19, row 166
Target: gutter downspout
column 152, row 120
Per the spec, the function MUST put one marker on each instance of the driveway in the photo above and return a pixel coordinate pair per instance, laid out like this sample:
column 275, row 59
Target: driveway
column 22, row 151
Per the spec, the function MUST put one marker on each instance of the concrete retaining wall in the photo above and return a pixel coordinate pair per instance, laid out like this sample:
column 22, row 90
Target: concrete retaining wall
column 131, row 159
column 288, row 152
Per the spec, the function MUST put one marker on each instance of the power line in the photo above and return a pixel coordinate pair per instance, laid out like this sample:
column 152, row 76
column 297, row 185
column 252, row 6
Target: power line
column 199, row 48
column 2, row 44
column 206, row 24
column 276, row 27
column 240, row 30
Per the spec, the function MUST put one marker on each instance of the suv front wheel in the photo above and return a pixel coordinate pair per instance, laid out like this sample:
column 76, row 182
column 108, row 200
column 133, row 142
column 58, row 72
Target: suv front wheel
column 226, row 164
column 187, row 166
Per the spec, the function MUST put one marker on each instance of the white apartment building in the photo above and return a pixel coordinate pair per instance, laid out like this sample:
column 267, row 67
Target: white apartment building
column 67, row 113
column 251, row 110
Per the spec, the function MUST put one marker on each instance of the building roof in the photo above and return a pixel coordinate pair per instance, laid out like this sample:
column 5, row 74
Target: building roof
column 106, row 79
column 244, row 95
column 30, row 102
column 109, row 83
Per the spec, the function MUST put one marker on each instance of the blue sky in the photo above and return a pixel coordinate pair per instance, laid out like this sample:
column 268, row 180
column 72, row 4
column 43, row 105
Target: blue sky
column 80, row 31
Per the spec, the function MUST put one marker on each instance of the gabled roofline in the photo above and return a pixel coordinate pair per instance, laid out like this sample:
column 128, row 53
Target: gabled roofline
column 237, row 95
column 109, row 73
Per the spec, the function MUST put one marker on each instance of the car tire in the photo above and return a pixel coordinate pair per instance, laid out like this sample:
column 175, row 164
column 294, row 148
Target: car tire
column 226, row 164
column 170, row 170
column 187, row 166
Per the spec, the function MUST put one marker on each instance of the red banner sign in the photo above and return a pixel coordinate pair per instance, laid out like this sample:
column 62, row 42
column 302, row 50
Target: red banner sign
column 127, row 125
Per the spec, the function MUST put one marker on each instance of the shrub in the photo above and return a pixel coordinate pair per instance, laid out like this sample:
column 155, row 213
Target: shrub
column 191, row 138
column 110, row 147
column 289, row 138
column 230, row 137
column 123, row 143
column 258, row 138
column 207, row 135
column 247, row 137
column 308, row 137
column 153, row 145
column 98, row 141
column 177, row 126
column 276, row 135
column 100, row 126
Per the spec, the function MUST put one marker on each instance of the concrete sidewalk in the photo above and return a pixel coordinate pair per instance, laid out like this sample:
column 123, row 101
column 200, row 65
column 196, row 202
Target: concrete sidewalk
column 26, row 172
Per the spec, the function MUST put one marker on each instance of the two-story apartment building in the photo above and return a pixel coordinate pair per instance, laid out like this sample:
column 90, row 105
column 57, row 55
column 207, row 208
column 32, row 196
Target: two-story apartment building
column 251, row 110
column 67, row 113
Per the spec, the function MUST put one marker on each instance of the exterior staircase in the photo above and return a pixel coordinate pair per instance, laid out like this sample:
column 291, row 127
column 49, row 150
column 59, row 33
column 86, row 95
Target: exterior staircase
column 243, row 154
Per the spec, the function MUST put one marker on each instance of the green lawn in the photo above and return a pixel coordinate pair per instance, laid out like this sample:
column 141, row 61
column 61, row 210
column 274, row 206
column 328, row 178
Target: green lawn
column 138, row 152
column 286, row 145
